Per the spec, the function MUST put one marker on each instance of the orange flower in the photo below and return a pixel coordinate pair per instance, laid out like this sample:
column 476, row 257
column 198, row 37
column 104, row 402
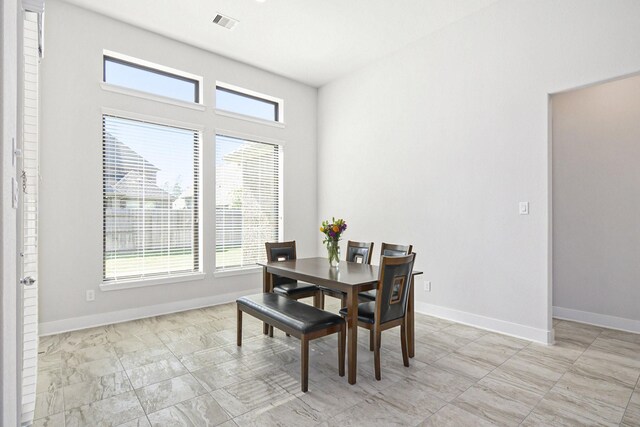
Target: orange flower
column 336, row 228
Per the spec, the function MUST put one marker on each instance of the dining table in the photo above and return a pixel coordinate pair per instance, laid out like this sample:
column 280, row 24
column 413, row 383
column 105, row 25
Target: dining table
column 348, row 277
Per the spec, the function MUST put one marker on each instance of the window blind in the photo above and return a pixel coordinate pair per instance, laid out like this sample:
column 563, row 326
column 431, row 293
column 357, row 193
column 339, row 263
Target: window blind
column 151, row 197
column 248, row 201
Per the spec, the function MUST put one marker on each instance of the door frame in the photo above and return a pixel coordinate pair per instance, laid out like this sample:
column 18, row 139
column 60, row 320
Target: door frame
column 550, row 187
column 10, row 350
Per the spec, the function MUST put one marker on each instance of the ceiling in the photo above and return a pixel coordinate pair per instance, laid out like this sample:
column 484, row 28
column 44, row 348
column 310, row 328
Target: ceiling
column 310, row 41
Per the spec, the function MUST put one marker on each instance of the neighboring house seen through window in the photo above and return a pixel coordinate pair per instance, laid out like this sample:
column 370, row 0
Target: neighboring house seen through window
column 151, row 181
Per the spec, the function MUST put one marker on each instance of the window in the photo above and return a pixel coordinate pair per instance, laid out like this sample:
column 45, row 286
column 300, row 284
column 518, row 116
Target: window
column 248, row 103
column 151, row 188
column 147, row 77
column 248, row 201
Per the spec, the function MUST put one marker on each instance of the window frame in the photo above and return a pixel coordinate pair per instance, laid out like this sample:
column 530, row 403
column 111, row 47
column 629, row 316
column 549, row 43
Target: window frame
column 160, row 279
column 154, row 68
column 250, row 94
column 281, row 217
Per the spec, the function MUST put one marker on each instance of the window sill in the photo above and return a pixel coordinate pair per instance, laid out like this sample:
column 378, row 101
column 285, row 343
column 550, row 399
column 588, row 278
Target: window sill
column 145, row 95
column 238, row 272
column 141, row 283
column 248, row 118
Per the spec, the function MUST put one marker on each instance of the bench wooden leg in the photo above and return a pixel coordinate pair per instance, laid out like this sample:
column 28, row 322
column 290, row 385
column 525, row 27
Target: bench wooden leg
column 403, row 342
column 304, row 364
column 239, row 328
column 376, row 353
column 371, row 343
column 342, row 341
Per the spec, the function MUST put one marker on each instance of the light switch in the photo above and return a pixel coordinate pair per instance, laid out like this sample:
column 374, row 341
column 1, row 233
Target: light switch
column 524, row 208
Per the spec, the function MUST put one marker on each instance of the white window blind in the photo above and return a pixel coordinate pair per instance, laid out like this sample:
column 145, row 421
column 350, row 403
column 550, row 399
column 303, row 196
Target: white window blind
column 151, row 188
column 248, row 201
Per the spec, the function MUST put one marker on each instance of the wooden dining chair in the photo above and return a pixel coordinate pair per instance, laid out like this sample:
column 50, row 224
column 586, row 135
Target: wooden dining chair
column 390, row 308
column 387, row 249
column 290, row 288
column 359, row 252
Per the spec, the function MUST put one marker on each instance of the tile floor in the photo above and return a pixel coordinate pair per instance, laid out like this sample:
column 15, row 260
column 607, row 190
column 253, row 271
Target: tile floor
column 184, row 369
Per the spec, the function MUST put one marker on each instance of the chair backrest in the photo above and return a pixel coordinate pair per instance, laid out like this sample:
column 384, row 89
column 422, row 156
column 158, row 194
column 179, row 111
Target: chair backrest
column 390, row 249
column 394, row 284
column 360, row 252
column 281, row 251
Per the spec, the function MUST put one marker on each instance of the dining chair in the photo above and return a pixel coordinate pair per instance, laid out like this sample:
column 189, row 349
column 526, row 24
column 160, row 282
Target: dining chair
column 359, row 252
column 390, row 308
column 290, row 288
column 387, row 249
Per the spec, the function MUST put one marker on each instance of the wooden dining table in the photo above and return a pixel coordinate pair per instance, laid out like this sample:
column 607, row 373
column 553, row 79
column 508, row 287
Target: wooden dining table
column 350, row 278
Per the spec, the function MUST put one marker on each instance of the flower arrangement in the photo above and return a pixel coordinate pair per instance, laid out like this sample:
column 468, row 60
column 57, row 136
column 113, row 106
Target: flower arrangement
column 332, row 232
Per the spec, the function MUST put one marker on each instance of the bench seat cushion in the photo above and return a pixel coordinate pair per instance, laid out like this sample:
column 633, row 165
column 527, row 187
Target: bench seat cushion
column 296, row 315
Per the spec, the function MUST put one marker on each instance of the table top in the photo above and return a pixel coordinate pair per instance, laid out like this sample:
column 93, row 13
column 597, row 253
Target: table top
column 318, row 271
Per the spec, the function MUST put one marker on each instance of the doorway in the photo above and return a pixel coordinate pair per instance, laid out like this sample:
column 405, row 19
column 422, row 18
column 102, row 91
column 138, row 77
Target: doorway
column 596, row 204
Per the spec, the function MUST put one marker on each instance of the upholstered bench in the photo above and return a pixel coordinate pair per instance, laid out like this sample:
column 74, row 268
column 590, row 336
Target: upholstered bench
column 298, row 319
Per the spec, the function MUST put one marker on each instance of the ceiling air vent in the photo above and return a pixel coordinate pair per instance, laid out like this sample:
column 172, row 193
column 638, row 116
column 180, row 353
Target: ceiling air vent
column 225, row 21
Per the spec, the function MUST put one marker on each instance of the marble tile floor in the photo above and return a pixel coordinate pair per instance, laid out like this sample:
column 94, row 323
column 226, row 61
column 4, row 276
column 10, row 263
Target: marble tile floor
column 184, row 369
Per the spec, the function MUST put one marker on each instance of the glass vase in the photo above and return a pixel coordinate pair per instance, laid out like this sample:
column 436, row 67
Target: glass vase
column 333, row 253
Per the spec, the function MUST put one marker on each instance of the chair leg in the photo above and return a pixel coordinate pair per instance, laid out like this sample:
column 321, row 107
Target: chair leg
column 371, row 340
column 376, row 353
column 403, row 343
column 342, row 341
column 304, row 364
column 270, row 331
column 239, row 328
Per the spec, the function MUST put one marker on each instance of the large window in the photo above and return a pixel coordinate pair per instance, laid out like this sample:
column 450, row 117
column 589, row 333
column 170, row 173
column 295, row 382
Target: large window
column 152, row 78
column 151, row 188
column 248, row 103
column 248, row 201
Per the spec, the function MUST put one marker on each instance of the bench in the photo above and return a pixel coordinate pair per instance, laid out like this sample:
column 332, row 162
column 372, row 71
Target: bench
column 300, row 320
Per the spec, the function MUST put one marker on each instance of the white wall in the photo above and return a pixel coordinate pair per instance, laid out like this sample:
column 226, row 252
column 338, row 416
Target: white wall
column 596, row 208
column 71, row 164
column 9, row 299
column 437, row 144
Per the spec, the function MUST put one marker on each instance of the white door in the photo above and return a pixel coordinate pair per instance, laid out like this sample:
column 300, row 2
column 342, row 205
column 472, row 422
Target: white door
column 28, row 211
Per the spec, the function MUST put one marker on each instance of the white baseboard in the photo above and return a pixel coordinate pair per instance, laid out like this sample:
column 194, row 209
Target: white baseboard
column 99, row 319
column 491, row 324
column 597, row 319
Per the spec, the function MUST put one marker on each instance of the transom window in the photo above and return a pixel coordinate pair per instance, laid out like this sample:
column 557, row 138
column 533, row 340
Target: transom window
column 248, row 103
column 151, row 78
column 248, row 200
column 151, row 199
